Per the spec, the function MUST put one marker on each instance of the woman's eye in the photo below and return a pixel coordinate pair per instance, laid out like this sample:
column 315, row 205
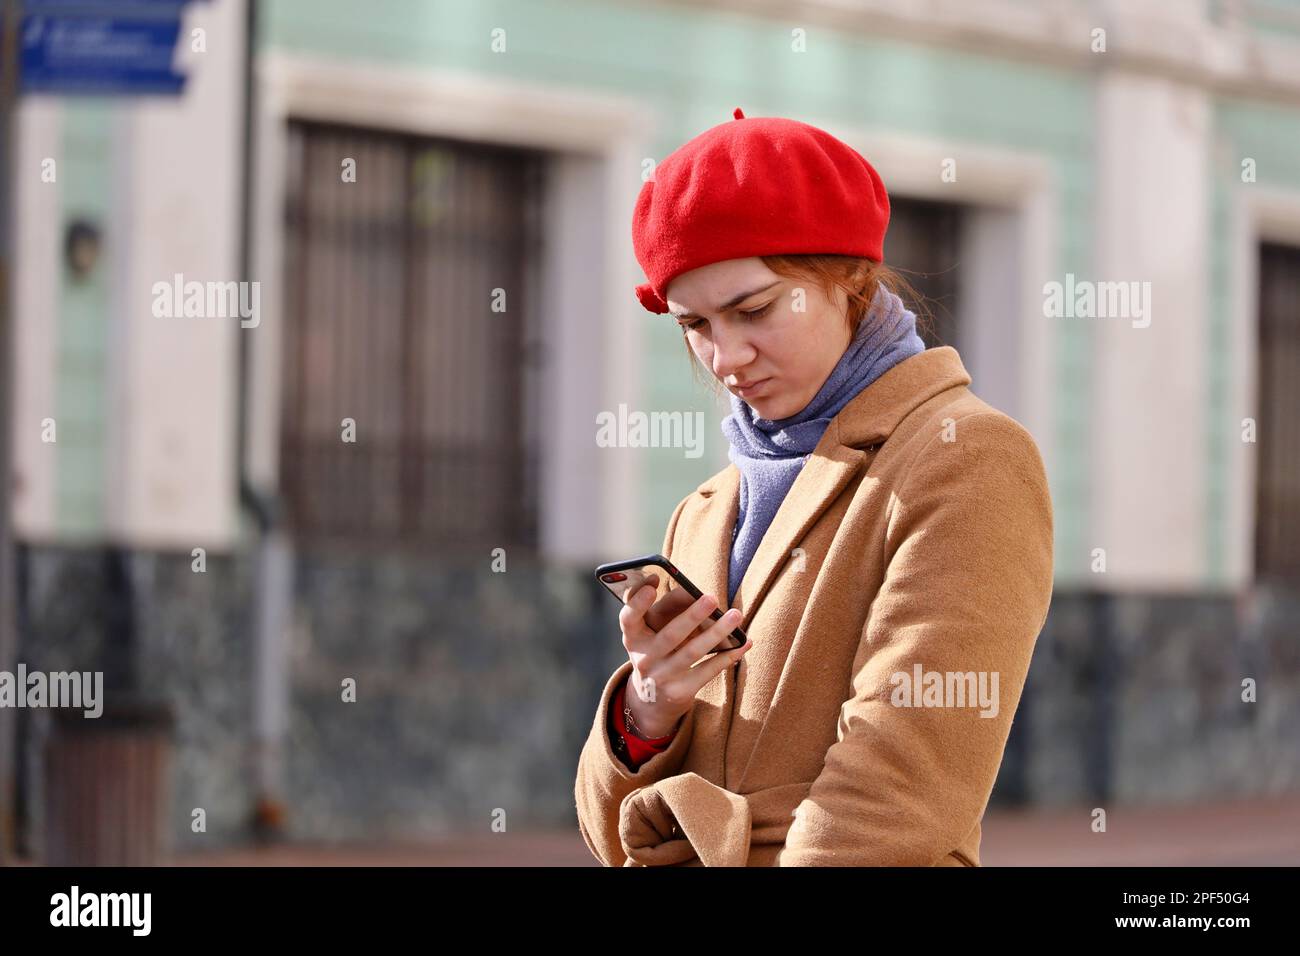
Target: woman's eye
column 755, row 314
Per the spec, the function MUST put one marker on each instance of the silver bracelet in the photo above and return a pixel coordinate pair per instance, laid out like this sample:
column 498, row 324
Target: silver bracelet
column 632, row 728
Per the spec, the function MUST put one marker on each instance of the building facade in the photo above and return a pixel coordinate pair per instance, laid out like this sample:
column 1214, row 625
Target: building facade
column 437, row 214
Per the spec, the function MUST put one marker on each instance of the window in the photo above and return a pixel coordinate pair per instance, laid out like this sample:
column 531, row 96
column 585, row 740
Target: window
column 1277, row 486
column 923, row 242
column 392, row 275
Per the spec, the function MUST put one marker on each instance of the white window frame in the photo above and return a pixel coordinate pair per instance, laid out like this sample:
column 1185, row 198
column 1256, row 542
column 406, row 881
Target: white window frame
column 997, row 183
column 588, row 309
column 1258, row 215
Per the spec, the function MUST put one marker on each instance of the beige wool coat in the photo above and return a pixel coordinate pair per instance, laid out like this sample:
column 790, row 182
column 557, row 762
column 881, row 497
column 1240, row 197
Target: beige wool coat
column 910, row 560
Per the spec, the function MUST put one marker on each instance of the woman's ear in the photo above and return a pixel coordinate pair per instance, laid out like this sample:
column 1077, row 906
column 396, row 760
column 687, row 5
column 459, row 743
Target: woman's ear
column 861, row 274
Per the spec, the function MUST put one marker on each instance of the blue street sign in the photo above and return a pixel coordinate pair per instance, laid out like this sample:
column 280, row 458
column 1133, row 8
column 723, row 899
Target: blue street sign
column 88, row 47
column 114, row 9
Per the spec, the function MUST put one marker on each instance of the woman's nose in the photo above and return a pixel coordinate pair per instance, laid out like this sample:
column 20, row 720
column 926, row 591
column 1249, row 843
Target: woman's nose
column 731, row 352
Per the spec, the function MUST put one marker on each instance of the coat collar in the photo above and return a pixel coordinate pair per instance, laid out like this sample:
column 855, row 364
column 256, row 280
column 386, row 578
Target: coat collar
column 851, row 437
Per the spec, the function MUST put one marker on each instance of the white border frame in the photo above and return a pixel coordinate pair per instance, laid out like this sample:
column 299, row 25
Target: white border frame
column 37, row 264
column 1258, row 214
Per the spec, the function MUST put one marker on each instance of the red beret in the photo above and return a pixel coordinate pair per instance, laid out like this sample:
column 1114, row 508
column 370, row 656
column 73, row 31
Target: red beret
column 755, row 186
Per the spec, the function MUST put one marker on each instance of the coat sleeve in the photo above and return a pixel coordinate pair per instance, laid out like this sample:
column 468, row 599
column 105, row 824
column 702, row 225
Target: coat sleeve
column 968, row 557
column 603, row 780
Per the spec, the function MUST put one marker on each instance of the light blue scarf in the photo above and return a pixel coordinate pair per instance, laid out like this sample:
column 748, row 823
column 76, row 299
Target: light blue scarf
column 770, row 453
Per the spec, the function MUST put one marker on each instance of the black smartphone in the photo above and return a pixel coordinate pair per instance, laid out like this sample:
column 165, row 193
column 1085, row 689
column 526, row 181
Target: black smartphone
column 621, row 576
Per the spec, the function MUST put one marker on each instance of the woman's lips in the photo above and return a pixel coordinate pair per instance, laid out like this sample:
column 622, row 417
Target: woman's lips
column 752, row 390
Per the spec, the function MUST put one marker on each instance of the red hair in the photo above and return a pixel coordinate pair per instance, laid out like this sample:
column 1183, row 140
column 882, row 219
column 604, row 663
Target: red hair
column 856, row 276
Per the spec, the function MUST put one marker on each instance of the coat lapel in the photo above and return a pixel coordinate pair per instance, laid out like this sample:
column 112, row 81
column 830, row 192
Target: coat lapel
column 827, row 473
column 710, row 544
column 848, row 442
column 850, row 438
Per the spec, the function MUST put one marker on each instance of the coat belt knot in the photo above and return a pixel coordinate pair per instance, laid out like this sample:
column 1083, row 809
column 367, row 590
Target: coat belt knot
column 685, row 820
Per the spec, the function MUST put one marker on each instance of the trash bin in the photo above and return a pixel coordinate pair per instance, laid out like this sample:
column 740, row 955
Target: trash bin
column 107, row 786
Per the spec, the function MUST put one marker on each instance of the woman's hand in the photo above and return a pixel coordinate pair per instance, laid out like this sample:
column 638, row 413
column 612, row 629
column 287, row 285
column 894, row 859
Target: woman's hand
column 664, row 639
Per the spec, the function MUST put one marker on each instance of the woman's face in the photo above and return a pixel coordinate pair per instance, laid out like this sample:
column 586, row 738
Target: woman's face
column 750, row 328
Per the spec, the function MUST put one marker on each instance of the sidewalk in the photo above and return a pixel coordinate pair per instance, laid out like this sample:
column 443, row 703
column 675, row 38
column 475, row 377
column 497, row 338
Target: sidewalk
column 1255, row 833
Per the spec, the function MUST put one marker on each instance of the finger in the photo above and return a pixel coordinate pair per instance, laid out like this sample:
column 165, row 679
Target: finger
column 710, row 637
column 684, row 624
column 640, row 591
column 631, row 619
column 667, row 608
column 706, row 670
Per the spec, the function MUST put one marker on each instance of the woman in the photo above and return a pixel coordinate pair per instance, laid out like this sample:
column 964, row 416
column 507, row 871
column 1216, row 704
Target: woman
column 883, row 536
